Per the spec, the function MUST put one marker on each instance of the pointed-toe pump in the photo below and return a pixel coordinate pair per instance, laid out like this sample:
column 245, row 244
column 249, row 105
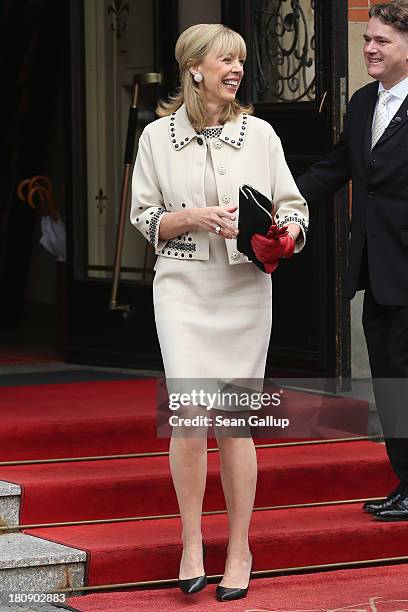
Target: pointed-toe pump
column 194, row 585
column 231, row 593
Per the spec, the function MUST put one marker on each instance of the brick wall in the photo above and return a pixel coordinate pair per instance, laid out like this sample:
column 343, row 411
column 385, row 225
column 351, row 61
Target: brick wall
column 358, row 9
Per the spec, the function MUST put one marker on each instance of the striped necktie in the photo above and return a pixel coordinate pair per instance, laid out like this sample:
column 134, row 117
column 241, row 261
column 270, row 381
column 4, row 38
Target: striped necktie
column 381, row 117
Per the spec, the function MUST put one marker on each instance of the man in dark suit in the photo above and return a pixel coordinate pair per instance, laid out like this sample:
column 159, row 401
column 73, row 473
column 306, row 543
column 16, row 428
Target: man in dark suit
column 373, row 152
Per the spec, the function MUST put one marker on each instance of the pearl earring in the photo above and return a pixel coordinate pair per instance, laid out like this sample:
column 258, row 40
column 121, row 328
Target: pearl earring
column 198, row 77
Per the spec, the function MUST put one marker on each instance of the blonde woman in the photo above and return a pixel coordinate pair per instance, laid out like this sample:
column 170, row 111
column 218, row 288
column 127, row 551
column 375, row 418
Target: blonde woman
column 212, row 305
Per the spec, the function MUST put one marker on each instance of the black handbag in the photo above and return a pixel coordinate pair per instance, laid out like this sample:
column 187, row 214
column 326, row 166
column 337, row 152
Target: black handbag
column 255, row 217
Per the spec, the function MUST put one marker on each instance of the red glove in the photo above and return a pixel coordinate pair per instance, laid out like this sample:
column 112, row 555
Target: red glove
column 277, row 244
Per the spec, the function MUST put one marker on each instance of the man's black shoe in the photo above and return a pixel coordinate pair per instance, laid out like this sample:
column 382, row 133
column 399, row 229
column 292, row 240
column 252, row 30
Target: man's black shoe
column 376, row 506
column 397, row 512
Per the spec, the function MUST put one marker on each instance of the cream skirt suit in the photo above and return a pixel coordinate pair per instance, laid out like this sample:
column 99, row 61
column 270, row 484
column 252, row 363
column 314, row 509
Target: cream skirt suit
column 213, row 316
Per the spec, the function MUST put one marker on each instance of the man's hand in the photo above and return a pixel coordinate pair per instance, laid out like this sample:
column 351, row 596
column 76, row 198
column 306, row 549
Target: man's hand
column 277, row 244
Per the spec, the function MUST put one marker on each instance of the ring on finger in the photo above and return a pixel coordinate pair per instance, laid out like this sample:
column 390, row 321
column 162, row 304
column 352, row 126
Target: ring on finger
column 218, row 230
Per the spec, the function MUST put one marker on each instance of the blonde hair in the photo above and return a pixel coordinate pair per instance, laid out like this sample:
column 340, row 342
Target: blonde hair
column 192, row 46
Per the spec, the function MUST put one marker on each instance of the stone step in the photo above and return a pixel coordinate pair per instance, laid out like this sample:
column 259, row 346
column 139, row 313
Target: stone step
column 31, row 564
column 16, row 608
column 24, row 608
column 9, row 503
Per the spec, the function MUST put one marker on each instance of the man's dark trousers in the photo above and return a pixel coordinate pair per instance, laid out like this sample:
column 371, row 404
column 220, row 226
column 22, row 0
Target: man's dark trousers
column 386, row 333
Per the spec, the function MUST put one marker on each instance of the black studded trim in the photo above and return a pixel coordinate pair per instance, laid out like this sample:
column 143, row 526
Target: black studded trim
column 295, row 218
column 177, row 141
column 153, row 225
column 185, row 247
column 235, row 138
column 232, row 134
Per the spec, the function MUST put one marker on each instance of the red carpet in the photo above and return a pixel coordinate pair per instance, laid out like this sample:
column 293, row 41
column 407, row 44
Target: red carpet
column 118, row 417
column 86, row 490
column 136, row 551
column 381, row 589
column 112, row 417
column 78, row 419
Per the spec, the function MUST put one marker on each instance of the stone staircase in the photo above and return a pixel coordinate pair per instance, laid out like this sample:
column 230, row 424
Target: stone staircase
column 32, row 564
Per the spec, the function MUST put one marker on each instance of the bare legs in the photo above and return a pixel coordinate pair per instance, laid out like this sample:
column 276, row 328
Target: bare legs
column 238, row 476
column 188, row 464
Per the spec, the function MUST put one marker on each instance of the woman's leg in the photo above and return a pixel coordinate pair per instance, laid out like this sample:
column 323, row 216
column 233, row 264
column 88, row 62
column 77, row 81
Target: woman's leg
column 188, row 464
column 238, row 476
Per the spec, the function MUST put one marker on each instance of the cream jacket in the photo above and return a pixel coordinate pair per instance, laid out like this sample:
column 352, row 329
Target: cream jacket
column 169, row 176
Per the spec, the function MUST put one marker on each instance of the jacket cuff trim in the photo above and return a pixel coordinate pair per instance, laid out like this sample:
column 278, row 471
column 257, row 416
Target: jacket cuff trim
column 293, row 219
column 183, row 247
column 154, row 226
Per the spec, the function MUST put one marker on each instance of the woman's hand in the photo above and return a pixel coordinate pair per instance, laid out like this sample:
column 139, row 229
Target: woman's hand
column 277, row 244
column 212, row 217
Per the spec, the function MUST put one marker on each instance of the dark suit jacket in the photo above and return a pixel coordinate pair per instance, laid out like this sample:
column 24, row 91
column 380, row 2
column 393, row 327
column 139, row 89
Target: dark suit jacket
column 380, row 195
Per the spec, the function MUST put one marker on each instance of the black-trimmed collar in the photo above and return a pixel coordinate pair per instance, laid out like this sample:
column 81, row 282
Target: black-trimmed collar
column 181, row 132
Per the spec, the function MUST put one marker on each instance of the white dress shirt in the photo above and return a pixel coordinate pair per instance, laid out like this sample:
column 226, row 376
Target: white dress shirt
column 398, row 94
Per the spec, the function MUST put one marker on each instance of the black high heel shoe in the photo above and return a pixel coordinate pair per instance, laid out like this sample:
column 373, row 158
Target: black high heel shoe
column 194, row 585
column 230, row 593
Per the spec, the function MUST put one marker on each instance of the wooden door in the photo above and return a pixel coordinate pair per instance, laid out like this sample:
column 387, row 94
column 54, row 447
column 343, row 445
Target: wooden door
column 296, row 76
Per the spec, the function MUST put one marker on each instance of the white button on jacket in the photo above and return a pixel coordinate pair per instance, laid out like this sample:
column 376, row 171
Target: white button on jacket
column 169, row 176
